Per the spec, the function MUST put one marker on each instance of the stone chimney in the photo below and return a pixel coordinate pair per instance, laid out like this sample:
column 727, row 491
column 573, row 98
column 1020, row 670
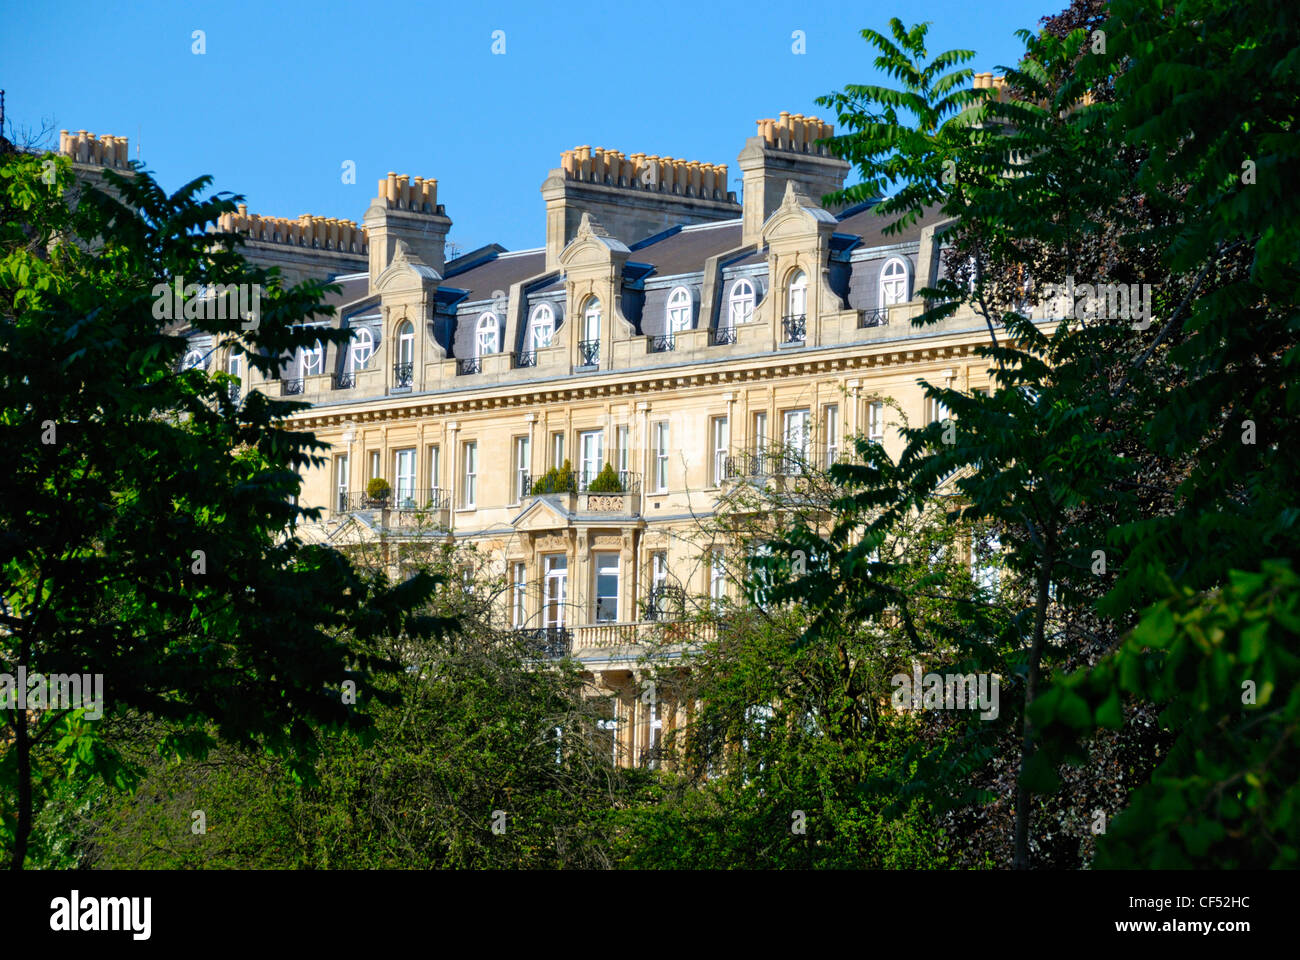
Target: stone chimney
column 406, row 210
column 634, row 197
column 786, row 150
column 88, row 150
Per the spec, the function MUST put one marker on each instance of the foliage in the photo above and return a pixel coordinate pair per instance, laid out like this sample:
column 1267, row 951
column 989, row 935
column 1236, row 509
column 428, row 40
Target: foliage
column 378, row 489
column 556, row 480
column 607, row 481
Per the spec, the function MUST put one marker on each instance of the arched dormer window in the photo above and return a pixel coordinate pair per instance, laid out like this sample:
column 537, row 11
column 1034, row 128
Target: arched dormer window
column 798, row 294
column 591, row 320
column 679, row 310
column 192, row 359
column 312, row 360
column 893, row 282
column 487, row 337
column 741, row 302
column 541, row 326
column 361, row 349
column 406, row 343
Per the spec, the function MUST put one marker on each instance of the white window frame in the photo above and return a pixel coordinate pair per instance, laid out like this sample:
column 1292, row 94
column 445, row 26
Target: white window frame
column 717, row 577
column 376, row 465
column 623, row 441
column 588, row 467
column 523, row 457
column 678, row 310
column 406, row 343
column 341, row 474
column 541, row 326
column 192, row 360
column 361, row 349
column 311, row 360
column 797, row 294
column 404, row 461
column 741, row 302
column 895, row 282
column 591, row 319
column 601, row 561
column 435, row 466
column 555, row 578
column 720, row 439
column 518, row 593
column 876, row 421
column 487, row 335
column 557, row 449
column 831, row 417
column 799, row 419
column 662, row 440
column 469, row 474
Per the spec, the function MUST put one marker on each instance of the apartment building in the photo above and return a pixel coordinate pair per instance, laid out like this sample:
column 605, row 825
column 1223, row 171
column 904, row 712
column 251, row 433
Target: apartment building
column 668, row 335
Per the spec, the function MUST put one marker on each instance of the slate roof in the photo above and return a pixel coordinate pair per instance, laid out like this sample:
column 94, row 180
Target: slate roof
column 496, row 273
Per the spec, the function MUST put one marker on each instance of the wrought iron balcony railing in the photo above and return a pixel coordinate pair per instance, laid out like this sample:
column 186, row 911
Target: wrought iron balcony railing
column 546, row 643
column 291, row 388
column 722, row 335
column 663, row 344
column 426, row 498
column 345, row 381
column 469, row 365
column 794, row 329
column 589, row 353
column 526, row 358
column 403, row 374
column 768, row 462
column 576, row 482
column 877, row 317
column 233, row 392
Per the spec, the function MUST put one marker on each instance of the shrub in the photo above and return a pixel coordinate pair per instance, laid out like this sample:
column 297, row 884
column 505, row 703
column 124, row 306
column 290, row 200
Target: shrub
column 378, row 489
column 555, row 480
column 607, row 481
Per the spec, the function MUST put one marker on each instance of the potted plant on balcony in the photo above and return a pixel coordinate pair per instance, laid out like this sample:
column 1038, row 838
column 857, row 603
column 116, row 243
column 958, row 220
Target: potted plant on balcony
column 378, row 491
column 555, row 480
column 607, row 481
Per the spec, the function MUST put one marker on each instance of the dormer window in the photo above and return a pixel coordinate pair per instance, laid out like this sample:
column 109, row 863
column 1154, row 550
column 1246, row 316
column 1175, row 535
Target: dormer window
column 591, row 320
column 893, row 282
column 679, row 310
column 488, row 335
column 406, row 343
column 361, row 349
column 312, row 359
column 542, row 326
column 742, row 302
column 192, row 359
column 798, row 295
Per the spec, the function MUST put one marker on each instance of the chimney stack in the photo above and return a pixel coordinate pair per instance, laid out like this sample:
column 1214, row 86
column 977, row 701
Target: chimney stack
column 785, row 150
column 406, row 208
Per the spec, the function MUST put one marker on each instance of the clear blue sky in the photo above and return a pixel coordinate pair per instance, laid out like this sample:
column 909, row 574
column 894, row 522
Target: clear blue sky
column 286, row 92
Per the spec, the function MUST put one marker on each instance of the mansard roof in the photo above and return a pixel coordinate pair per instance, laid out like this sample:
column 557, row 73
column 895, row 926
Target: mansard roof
column 480, row 279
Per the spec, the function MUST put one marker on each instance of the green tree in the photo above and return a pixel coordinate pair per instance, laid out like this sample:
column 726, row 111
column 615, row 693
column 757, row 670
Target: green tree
column 146, row 515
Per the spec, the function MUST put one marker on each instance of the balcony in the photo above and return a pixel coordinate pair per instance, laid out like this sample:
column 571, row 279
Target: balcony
column 663, row 344
column 625, row 501
column 794, row 329
column 345, row 381
column 525, row 358
column 403, row 375
column 878, row 317
column 402, row 508
column 604, row 639
column 766, row 462
column 291, row 388
column 722, row 336
column 589, row 353
column 469, row 366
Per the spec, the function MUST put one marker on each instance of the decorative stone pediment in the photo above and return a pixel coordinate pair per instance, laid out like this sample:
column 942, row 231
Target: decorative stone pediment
column 407, row 273
column 593, row 244
column 798, row 216
column 545, row 513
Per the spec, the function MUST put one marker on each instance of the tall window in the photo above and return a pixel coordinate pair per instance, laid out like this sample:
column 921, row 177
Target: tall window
column 984, row 549
column 679, row 310
column 374, row 464
column 721, row 439
column 741, row 302
column 624, row 448
column 760, row 442
column 661, row 457
column 361, row 349
column 312, row 360
column 555, row 589
column 717, row 578
column 541, row 326
column 404, row 462
column 607, row 587
column 591, row 449
column 798, row 294
column 557, row 450
column 469, row 487
column 893, row 282
column 876, row 421
column 936, row 410
column 341, row 481
column 488, row 335
column 518, row 590
column 831, row 417
column 658, row 584
column 406, row 343
column 522, row 461
column 591, row 320
column 435, row 467
column 796, row 437
column 192, row 359
column 235, row 367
